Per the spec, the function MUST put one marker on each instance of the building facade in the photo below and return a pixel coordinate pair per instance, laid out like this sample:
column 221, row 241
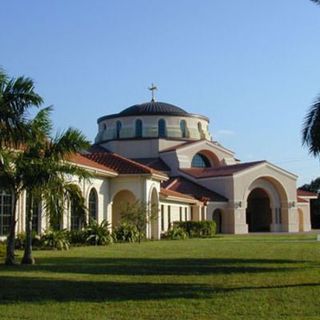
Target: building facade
column 166, row 157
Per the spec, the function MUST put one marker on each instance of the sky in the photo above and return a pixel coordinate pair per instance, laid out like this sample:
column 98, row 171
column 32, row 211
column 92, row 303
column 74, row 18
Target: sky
column 251, row 66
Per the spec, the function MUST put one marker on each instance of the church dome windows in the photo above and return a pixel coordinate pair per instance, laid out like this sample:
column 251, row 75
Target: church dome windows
column 118, row 129
column 162, row 128
column 183, row 128
column 138, row 128
column 201, row 132
column 200, row 161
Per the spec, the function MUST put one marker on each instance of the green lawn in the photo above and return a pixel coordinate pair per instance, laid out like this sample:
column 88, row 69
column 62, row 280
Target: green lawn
column 229, row 277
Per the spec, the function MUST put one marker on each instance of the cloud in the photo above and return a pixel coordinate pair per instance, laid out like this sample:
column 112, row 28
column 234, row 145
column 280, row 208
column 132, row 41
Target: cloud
column 225, row 132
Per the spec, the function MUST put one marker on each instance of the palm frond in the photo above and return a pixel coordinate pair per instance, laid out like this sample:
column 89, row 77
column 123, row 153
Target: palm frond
column 17, row 96
column 69, row 142
column 311, row 129
column 41, row 124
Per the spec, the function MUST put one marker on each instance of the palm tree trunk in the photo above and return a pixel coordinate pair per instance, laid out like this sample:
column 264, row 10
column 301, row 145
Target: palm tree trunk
column 27, row 256
column 10, row 256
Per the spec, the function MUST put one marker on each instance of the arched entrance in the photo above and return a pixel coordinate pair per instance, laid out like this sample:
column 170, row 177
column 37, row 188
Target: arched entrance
column 217, row 218
column 119, row 201
column 258, row 213
column 154, row 207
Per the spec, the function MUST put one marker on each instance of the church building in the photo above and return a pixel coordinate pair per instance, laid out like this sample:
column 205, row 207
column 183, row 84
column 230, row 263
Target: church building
column 164, row 156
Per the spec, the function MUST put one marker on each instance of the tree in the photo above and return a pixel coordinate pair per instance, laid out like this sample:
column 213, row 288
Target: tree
column 311, row 129
column 17, row 96
column 139, row 214
column 44, row 172
column 311, row 126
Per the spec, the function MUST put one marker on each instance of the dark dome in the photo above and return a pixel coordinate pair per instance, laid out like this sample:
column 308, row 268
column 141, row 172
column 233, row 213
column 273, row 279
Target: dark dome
column 153, row 108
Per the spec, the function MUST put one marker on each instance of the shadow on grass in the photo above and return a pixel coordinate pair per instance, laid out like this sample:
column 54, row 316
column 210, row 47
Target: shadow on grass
column 24, row 289
column 140, row 266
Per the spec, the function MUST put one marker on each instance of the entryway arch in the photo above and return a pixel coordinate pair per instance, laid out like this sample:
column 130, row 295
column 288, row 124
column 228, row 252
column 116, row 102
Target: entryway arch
column 122, row 198
column 217, row 218
column 258, row 213
column 264, row 200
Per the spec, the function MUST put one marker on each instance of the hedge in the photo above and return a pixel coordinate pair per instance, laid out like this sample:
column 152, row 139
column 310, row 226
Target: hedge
column 198, row 229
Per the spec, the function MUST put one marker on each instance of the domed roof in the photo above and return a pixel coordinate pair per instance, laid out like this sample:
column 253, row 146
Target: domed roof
column 153, row 108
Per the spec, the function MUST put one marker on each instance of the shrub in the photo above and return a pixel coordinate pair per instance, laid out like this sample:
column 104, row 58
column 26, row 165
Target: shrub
column 98, row 234
column 197, row 229
column 2, row 249
column 55, row 239
column 126, row 232
column 77, row 237
column 21, row 238
column 175, row 233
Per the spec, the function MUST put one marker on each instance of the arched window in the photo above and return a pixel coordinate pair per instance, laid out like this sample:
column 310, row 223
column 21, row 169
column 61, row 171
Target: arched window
column 200, row 161
column 138, row 128
column 200, row 130
column 104, row 126
column 118, row 129
column 6, row 200
column 183, row 128
column 93, row 204
column 76, row 219
column 162, row 128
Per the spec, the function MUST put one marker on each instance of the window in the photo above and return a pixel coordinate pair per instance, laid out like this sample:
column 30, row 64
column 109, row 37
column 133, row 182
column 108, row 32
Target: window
column 162, row 217
column 104, row 126
column 118, row 129
column 162, row 128
column 169, row 217
column 93, row 205
column 183, row 128
column 76, row 221
column 200, row 130
column 138, row 128
column 200, row 161
column 191, row 213
column 185, row 214
column 6, row 200
column 180, row 213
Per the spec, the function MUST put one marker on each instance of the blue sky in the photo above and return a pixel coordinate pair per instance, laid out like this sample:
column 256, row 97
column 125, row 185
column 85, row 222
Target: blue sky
column 251, row 66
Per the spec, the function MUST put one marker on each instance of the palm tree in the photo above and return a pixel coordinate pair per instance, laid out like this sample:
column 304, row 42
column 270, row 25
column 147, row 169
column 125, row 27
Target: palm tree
column 17, row 96
column 311, row 129
column 44, row 169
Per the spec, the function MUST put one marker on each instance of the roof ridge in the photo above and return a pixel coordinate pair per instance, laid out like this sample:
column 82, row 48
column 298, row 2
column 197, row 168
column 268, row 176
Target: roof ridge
column 174, row 181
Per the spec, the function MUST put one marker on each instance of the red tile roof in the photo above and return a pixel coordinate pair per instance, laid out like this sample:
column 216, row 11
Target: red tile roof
column 83, row 160
column 185, row 186
column 302, row 200
column 219, row 171
column 121, row 164
column 303, row 193
column 154, row 163
column 170, row 193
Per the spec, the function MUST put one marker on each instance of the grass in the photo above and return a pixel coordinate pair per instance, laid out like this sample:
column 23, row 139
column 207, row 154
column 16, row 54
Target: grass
column 229, row 277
